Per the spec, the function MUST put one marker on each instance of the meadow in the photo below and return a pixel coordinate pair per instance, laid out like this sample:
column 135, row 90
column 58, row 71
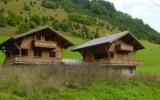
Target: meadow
column 74, row 83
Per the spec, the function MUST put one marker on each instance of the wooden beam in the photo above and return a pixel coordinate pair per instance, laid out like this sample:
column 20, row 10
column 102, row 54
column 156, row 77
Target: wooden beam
column 107, row 49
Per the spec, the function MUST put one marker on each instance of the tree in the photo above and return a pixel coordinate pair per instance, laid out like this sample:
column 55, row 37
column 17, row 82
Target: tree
column 32, row 25
column 37, row 19
column 27, row 8
column 23, row 27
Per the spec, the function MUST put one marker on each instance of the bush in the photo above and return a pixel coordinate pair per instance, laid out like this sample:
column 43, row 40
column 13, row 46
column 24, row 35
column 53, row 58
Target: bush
column 32, row 25
column 27, row 8
column 82, row 19
column 37, row 19
column 49, row 4
column 23, row 27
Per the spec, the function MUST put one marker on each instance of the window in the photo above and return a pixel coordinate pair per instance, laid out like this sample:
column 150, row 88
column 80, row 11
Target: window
column 48, row 38
column 52, row 54
column 38, row 37
column 15, row 52
column 100, row 55
column 8, row 54
column 112, row 54
column 37, row 53
column 24, row 52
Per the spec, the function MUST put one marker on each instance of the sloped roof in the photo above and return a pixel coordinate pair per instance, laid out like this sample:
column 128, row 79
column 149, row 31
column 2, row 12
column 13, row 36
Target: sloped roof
column 34, row 31
column 106, row 39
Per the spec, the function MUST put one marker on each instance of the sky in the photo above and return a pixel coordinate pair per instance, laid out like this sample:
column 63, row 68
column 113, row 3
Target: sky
column 147, row 10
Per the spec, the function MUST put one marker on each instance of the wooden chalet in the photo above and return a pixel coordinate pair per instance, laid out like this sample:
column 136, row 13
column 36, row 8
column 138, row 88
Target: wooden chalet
column 39, row 46
column 116, row 50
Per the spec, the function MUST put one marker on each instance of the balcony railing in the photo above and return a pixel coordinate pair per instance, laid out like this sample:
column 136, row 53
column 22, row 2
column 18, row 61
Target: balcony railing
column 120, row 62
column 44, row 44
column 31, row 60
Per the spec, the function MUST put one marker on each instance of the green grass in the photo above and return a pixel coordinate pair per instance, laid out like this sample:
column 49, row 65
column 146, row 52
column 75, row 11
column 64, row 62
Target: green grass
column 2, row 56
column 68, row 54
column 103, row 91
column 36, row 83
column 150, row 56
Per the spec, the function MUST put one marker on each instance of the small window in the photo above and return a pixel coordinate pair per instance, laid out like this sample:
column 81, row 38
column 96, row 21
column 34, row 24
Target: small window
column 100, row 56
column 48, row 38
column 16, row 52
column 38, row 37
column 112, row 54
column 52, row 54
column 37, row 53
column 8, row 54
column 24, row 52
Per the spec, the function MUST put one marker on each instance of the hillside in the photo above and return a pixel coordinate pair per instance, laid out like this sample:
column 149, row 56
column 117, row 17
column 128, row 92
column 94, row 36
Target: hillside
column 83, row 18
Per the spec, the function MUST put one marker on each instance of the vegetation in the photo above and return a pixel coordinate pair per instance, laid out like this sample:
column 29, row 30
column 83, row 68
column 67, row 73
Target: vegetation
column 83, row 18
column 74, row 83
column 150, row 57
column 79, row 20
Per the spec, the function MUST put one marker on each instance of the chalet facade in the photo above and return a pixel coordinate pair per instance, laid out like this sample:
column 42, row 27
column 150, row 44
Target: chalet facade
column 117, row 51
column 39, row 46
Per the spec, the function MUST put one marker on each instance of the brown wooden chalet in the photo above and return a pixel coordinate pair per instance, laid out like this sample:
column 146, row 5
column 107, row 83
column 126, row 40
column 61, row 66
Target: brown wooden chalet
column 118, row 49
column 39, row 46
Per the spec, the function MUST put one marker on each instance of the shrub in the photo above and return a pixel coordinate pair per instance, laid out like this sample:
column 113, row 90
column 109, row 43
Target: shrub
column 82, row 19
column 23, row 27
column 27, row 8
column 32, row 25
column 37, row 19
column 49, row 4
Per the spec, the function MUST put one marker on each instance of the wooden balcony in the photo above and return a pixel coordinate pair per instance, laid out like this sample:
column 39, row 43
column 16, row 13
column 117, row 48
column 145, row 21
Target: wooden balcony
column 31, row 60
column 119, row 62
column 124, row 47
column 44, row 44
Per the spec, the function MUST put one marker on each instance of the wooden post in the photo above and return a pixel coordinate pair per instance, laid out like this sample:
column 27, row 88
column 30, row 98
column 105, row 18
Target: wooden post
column 107, row 49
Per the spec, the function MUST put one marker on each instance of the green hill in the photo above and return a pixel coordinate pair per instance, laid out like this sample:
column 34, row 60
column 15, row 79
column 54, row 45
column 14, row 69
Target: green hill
column 79, row 21
column 83, row 18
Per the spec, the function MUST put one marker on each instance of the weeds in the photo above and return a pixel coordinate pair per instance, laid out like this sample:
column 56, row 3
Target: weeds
column 33, row 82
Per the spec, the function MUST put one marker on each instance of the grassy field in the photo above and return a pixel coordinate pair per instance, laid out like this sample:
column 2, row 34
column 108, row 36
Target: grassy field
column 78, row 83
column 2, row 56
column 150, row 56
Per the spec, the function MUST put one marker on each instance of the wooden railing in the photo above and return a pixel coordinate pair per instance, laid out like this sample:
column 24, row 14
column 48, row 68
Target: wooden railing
column 31, row 60
column 44, row 44
column 120, row 62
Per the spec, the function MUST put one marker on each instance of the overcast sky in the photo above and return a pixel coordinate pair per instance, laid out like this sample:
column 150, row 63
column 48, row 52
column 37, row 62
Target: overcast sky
column 147, row 10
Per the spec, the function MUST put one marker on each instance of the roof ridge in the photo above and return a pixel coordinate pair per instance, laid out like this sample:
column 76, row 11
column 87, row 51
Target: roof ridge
column 102, row 40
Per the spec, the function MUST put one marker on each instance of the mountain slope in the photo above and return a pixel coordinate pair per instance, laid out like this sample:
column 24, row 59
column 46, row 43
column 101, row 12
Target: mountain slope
column 83, row 18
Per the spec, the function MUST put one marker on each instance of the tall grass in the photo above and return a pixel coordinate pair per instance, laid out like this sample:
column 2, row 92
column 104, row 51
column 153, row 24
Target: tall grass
column 35, row 82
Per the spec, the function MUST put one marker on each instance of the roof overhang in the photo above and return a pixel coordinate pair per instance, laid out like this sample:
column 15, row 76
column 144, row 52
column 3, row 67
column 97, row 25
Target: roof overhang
column 117, row 37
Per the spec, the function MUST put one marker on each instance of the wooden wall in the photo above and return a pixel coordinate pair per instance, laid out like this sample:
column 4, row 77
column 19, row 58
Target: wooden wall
column 26, row 43
column 124, row 55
